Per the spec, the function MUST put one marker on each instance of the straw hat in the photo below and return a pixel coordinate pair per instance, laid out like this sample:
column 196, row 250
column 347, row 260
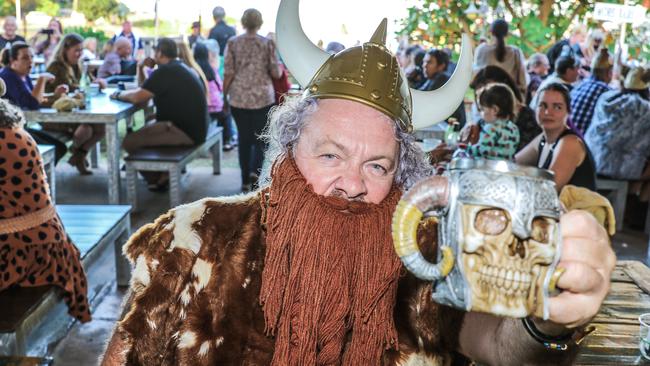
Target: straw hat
column 635, row 79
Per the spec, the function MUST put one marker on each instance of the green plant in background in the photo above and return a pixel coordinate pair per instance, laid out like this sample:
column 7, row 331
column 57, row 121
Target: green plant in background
column 639, row 42
column 48, row 7
column 8, row 7
column 95, row 9
column 535, row 25
column 164, row 27
column 86, row 32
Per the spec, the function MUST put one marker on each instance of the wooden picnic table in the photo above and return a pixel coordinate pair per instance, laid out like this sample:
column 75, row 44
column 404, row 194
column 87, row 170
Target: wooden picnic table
column 101, row 110
column 48, row 154
column 616, row 338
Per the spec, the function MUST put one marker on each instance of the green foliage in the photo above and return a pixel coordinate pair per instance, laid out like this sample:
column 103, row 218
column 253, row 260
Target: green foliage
column 639, row 42
column 8, row 7
column 164, row 27
column 537, row 35
column 48, row 7
column 95, row 9
column 86, row 32
column 534, row 24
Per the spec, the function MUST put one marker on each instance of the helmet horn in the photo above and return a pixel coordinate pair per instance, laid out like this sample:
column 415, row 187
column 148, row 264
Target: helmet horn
column 302, row 57
column 431, row 107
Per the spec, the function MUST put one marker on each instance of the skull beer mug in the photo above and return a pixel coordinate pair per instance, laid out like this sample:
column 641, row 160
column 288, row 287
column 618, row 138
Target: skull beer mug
column 498, row 236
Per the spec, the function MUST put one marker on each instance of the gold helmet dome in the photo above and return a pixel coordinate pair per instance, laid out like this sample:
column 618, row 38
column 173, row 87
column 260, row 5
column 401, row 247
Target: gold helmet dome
column 368, row 74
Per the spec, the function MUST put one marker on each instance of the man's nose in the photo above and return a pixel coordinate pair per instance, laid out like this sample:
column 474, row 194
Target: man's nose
column 353, row 184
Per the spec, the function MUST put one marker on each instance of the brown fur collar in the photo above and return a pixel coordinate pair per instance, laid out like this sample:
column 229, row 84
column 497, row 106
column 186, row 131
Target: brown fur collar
column 196, row 285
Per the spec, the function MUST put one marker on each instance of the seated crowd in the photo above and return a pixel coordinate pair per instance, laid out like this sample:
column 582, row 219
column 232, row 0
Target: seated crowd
column 570, row 111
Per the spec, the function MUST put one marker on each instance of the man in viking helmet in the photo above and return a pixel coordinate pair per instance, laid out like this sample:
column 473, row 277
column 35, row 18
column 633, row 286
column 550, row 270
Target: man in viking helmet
column 302, row 272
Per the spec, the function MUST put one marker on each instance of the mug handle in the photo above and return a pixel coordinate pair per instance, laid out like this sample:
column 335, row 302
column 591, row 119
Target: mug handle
column 424, row 196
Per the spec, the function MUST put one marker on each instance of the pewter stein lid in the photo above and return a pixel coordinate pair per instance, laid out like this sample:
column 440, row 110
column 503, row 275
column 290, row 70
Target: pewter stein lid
column 501, row 166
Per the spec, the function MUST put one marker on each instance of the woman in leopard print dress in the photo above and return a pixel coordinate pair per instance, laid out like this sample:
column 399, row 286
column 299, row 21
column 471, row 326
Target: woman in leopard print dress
column 34, row 248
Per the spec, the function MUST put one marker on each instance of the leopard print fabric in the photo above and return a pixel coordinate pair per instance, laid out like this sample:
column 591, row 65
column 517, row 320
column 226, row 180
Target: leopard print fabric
column 42, row 255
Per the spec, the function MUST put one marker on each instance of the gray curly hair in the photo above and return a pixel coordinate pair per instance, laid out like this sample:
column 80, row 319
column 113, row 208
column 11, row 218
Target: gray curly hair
column 286, row 122
column 10, row 115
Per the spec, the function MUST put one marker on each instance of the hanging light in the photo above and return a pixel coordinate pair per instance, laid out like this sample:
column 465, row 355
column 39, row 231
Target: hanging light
column 471, row 12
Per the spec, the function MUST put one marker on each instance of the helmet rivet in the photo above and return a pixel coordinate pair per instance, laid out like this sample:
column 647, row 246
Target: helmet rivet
column 375, row 94
column 313, row 89
column 381, row 65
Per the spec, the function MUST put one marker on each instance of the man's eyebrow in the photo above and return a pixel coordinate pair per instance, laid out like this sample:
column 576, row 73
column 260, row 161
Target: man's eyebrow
column 327, row 141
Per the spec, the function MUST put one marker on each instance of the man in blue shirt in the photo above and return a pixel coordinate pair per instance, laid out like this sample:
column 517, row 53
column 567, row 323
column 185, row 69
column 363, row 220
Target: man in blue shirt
column 19, row 60
column 221, row 31
column 127, row 32
column 585, row 95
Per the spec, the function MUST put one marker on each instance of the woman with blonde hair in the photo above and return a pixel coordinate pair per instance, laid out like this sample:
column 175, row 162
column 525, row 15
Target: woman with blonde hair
column 65, row 66
column 587, row 50
column 185, row 54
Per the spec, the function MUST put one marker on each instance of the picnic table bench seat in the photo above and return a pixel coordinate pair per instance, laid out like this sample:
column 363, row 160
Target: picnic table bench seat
column 171, row 160
column 616, row 191
column 33, row 318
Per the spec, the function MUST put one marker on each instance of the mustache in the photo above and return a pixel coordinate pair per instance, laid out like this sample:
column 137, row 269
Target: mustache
column 338, row 193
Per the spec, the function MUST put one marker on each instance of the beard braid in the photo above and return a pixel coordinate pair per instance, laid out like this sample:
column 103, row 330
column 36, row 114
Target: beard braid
column 330, row 276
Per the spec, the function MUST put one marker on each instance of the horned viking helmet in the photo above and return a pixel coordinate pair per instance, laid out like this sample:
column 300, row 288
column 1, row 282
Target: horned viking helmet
column 368, row 74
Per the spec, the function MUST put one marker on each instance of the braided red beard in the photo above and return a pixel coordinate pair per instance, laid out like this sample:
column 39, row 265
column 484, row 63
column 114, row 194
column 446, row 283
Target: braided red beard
column 330, row 275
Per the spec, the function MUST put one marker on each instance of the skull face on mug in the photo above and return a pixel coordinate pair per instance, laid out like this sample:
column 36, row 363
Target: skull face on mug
column 499, row 236
column 505, row 272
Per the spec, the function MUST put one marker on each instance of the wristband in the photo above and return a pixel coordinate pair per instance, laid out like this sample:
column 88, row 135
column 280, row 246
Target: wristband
column 559, row 343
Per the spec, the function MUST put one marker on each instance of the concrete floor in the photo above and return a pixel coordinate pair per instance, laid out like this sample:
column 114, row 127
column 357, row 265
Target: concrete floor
column 85, row 342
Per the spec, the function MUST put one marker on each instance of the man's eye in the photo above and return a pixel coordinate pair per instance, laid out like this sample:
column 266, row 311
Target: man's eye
column 328, row 156
column 379, row 168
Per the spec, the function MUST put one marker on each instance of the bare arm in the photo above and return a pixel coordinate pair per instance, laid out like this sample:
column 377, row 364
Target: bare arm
column 492, row 340
column 274, row 67
column 528, row 155
column 135, row 96
column 140, row 73
column 227, row 81
column 39, row 89
column 568, row 156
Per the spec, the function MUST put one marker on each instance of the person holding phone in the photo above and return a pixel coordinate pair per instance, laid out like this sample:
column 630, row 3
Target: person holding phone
column 46, row 47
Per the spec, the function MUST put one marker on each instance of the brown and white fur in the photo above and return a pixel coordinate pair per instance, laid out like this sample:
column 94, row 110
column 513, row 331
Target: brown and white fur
column 196, row 287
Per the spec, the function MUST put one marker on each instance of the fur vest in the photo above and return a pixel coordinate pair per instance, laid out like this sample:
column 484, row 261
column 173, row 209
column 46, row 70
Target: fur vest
column 195, row 293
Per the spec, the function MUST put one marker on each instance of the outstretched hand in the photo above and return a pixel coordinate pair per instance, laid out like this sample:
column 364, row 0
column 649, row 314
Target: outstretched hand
column 588, row 260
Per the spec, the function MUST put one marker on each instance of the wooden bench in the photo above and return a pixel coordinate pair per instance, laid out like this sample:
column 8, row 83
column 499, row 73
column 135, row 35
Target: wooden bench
column 33, row 318
column 617, row 195
column 171, row 160
column 48, row 154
